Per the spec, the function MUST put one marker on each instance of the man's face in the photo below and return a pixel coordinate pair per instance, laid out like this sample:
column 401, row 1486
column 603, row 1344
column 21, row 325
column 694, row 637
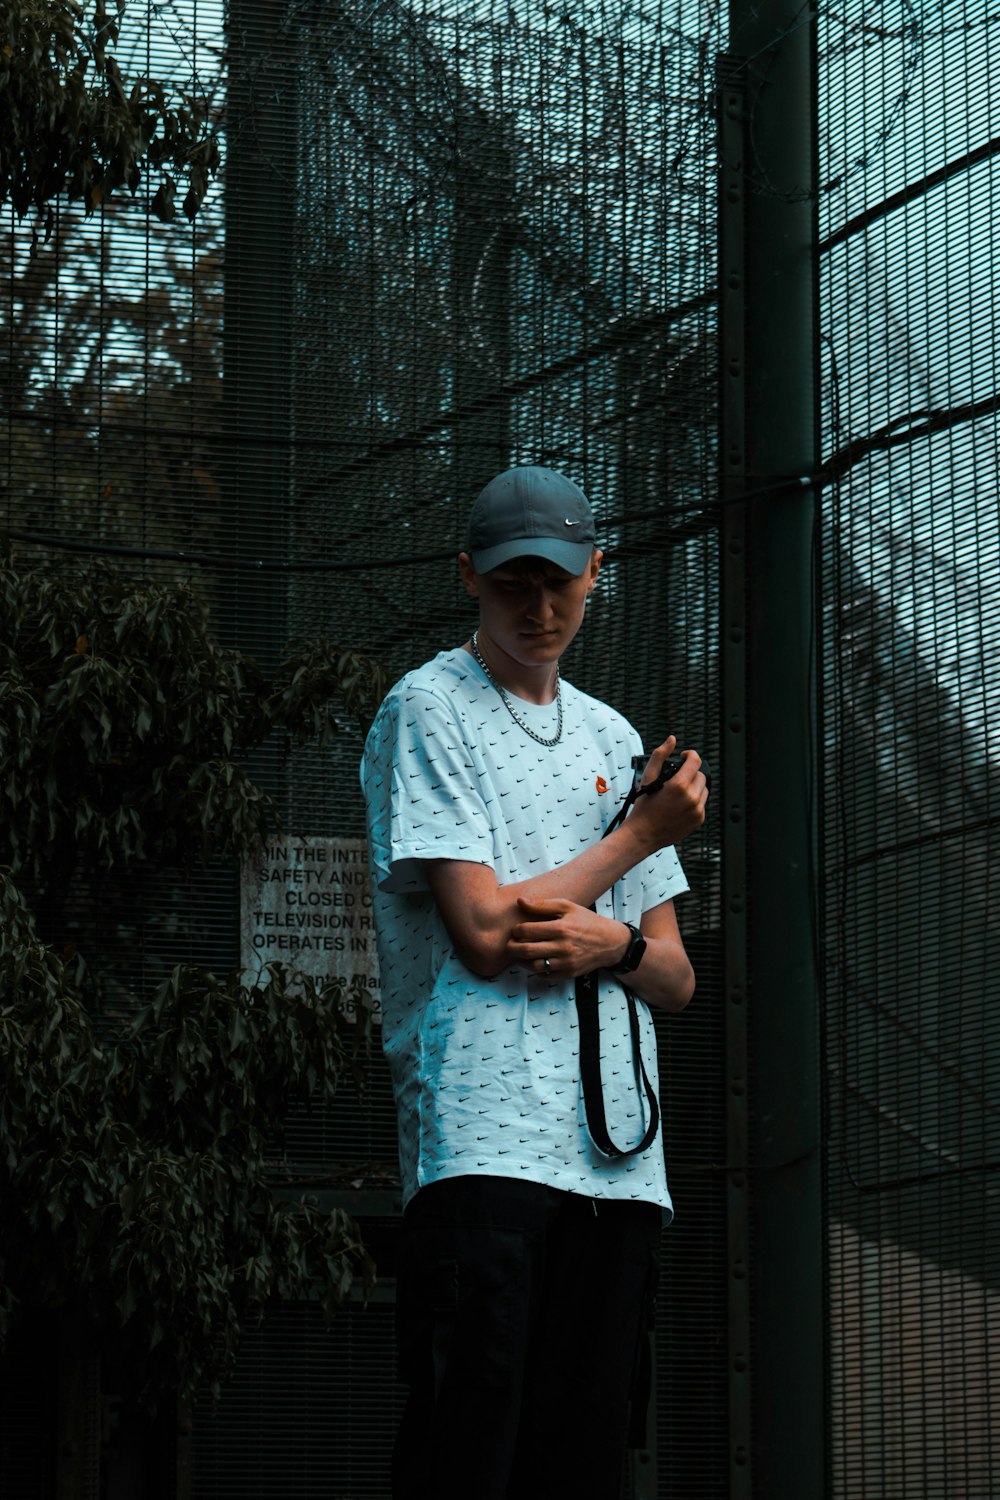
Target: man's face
column 530, row 608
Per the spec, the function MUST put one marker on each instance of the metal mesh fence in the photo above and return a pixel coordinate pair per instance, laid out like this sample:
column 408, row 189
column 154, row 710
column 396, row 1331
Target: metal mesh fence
column 908, row 119
column 449, row 238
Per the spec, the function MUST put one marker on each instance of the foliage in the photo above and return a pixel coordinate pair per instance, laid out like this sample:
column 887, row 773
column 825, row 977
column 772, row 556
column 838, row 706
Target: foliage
column 135, row 1138
column 134, row 1164
column 118, row 706
column 68, row 124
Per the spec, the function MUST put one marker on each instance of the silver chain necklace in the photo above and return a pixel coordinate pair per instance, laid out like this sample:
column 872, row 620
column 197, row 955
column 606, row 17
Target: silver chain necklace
column 510, row 707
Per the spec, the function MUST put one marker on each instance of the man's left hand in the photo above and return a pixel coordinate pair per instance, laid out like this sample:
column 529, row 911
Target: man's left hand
column 558, row 939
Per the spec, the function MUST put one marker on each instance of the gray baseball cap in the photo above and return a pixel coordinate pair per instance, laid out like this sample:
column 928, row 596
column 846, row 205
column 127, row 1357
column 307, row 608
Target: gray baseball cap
column 531, row 512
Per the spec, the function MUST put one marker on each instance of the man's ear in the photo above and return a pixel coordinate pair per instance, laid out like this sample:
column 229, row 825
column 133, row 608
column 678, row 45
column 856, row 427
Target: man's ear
column 468, row 575
column 595, row 568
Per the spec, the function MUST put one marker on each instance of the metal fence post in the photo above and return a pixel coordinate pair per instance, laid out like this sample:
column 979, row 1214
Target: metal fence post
column 768, row 441
column 730, row 105
column 257, row 328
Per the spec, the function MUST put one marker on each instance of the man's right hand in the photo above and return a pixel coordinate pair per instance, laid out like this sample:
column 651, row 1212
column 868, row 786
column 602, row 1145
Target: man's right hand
column 677, row 808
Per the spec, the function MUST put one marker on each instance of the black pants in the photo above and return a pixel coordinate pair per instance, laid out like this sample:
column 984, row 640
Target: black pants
column 522, row 1318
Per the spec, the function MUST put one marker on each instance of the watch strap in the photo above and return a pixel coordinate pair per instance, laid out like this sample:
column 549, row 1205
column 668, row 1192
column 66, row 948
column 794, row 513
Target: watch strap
column 632, row 956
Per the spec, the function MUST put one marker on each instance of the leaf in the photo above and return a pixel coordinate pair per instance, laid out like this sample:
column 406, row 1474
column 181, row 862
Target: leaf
column 162, row 206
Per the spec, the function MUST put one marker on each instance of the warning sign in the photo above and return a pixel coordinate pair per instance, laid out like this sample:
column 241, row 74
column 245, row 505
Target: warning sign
column 306, row 902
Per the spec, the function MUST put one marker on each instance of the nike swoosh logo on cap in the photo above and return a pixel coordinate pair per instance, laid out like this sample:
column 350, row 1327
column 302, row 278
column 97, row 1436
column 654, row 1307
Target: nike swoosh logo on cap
column 568, row 522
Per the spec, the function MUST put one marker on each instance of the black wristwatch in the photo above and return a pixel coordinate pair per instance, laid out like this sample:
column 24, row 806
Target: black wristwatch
column 633, row 953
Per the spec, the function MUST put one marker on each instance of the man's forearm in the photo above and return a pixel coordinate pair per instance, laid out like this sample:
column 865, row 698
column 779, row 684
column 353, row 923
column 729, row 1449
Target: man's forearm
column 479, row 912
column 665, row 978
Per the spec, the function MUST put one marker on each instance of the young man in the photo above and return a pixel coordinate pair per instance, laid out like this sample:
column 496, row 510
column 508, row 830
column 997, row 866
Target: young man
column 528, row 1258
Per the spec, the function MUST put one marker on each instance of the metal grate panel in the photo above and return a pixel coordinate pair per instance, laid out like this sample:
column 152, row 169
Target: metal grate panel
column 909, row 118
column 310, row 1413
column 449, row 237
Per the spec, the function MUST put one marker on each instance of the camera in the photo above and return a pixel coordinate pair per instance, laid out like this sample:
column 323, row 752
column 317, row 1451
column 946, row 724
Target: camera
column 669, row 768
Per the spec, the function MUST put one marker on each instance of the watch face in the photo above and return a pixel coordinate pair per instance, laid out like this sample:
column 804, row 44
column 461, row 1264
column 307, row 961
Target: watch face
column 636, row 949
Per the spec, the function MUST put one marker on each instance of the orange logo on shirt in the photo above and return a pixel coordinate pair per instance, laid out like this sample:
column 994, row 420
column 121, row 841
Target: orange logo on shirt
column 602, row 786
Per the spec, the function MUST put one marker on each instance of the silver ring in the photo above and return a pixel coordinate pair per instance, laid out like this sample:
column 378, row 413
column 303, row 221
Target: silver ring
column 547, row 966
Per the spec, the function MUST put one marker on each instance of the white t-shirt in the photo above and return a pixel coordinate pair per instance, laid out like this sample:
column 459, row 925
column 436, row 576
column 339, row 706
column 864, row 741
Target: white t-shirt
column 486, row 1072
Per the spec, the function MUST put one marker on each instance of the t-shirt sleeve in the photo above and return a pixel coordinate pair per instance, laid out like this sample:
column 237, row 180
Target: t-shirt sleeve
column 423, row 792
column 662, row 878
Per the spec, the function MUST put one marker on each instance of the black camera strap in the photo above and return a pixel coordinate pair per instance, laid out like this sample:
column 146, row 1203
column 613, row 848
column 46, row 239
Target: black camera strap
column 589, row 1022
column 588, row 1019
column 587, row 1002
